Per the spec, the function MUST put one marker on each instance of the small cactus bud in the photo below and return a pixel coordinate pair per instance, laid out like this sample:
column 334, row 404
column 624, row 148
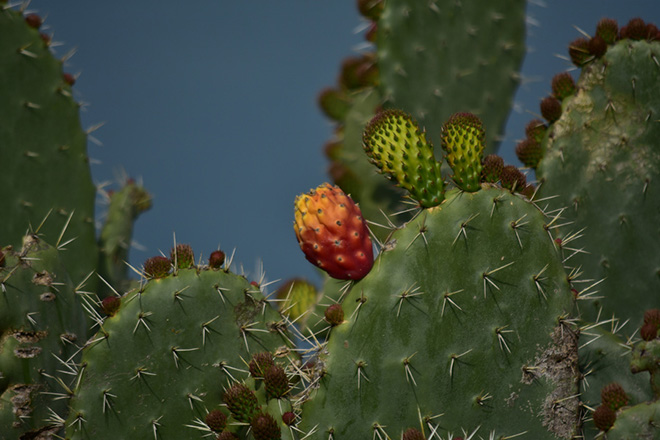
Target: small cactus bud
column 334, row 314
column 578, row 50
column 635, row 29
column 512, row 178
column 528, row 191
column 216, row 259
column 264, row 427
column 563, row 85
column 413, row 434
column 597, row 46
column 182, row 256
column 551, row 108
column 45, row 38
column 276, row 382
column 289, row 418
column 529, row 152
column 157, row 267
column 652, row 316
column 652, row 32
column 216, row 420
column 241, row 402
column 614, row 396
column 110, row 305
column 604, row 417
column 371, row 9
column 648, row 331
column 227, row 435
column 260, row 363
column 535, row 129
column 371, row 33
column 334, row 103
column 492, row 168
column 69, row 79
column 2, row 259
column 33, row 20
column 608, row 30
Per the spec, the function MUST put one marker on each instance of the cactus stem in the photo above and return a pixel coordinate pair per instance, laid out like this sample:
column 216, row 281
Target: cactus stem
column 486, row 276
column 409, row 292
column 463, row 229
column 453, row 358
column 451, row 301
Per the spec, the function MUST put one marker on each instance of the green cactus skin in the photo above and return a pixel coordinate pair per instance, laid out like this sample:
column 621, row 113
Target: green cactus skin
column 469, row 322
column 607, row 176
column 395, row 143
column 442, row 56
column 162, row 361
column 44, row 160
column 42, row 324
column 115, row 240
column 639, row 422
column 462, row 141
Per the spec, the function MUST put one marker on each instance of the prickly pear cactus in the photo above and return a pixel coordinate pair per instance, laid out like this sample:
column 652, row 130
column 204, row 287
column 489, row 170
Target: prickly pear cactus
column 44, row 154
column 161, row 362
column 601, row 162
column 42, row 325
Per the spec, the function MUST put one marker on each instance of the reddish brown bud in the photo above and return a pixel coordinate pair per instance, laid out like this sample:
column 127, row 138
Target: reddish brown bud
column 551, row 108
column 69, row 78
column 648, row 331
column 33, row 20
column 529, row 152
column 563, row 85
column 289, row 418
column 536, row 129
column 216, row 420
column 182, row 256
column 608, row 30
column 110, row 305
column 334, row 314
column 579, row 51
column 597, row 46
column 512, row 178
column 157, row 267
column 260, row 363
column 635, row 29
column 264, row 427
column 604, row 417
column 216, row 259
column 614, row 396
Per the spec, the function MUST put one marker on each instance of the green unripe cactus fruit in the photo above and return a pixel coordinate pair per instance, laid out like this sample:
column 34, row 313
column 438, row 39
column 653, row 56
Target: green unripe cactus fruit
column 463, row 142
column 395, row 143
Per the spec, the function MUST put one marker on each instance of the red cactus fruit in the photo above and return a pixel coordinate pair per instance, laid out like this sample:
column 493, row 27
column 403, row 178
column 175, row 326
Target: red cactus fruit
column 529, row 152
column 264, row 427
column 33, row 20
column 635, row 29
column 551, row 108
column 413, row 434
column 110, row 305
column 289, row 418
column 608, row 30
column 334, row 314
column 216, row 259
column 182, row 255
column 241, row 402
column 492, row 168
column 578, row 50
column 648, row 331
column 563, row 85
column 260, row 363
column 332, row 234
column 512, row 178
column 157, row 267
column 604, row 417
column 216, row 420
column 614, row 396
column 276, row 382
column 535, row 129
column 597, row 46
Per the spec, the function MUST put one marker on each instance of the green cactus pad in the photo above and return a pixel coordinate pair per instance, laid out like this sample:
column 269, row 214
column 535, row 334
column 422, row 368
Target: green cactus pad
column 463, row 142
column 602, row 161
column 439, row 56
column 469, row 334
column 42, row 324
column 395, row 144
column 162, row 362
column 44, row 170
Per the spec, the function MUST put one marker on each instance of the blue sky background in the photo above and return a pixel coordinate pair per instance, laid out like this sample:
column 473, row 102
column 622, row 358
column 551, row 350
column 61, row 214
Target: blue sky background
column 213, row 106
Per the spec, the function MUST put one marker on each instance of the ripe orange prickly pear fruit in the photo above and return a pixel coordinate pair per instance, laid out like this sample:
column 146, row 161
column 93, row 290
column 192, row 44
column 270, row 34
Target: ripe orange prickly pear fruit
column 332, row 234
